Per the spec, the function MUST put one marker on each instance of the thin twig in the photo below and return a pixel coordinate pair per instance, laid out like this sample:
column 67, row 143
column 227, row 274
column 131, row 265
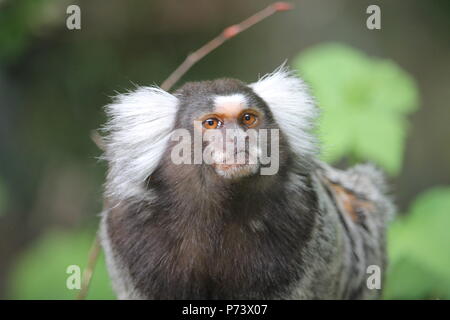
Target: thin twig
column 98, row 140
column 190, row 60
column 226, row 34
column 89, row 270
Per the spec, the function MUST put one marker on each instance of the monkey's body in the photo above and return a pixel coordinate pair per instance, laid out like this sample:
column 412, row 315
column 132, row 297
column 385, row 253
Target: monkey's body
column 186, row 232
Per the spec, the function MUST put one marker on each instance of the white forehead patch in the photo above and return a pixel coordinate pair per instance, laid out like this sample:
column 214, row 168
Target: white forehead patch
column 236, row 99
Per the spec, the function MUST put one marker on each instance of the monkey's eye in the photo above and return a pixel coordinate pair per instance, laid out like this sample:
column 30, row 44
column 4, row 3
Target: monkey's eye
column 249, row 119
column 212, row 123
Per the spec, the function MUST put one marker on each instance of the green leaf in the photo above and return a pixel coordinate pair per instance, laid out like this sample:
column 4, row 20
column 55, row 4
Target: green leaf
column 419, row 249
column 409, row 279
column 393, row 89
column 336, row 135
column 364, row 104
column 382, row 141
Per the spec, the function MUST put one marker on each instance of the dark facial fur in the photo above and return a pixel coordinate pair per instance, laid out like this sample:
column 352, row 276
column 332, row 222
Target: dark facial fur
column 196, row 100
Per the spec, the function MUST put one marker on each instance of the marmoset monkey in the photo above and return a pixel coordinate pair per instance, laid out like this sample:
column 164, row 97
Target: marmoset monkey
column 187, row 229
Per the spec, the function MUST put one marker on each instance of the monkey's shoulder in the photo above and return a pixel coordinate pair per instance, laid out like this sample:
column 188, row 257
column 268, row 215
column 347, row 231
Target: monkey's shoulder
column 359, row 192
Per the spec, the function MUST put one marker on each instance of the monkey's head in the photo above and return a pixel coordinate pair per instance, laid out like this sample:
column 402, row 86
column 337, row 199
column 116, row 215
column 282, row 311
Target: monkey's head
column 225, row 128
column 222, row 128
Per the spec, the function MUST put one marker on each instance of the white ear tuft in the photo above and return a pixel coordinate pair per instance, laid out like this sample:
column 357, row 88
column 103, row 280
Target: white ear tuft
column 138, row 129
column 293, row 108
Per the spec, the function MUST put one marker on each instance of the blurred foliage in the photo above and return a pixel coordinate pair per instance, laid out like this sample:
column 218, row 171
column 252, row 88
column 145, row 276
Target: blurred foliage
column 364, row 102
column 19, row 20
column 419, row 249
column 40, row 272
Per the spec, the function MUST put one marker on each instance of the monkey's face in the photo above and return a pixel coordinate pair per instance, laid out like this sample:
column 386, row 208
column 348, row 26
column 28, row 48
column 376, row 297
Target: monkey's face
column 232, row 131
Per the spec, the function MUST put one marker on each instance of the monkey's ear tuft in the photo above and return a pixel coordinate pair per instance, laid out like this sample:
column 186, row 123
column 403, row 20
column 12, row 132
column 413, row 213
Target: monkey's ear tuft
column 292, row 107
column 139, row 126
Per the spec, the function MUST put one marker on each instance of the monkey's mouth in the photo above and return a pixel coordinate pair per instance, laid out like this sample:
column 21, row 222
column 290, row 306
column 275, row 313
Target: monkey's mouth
column 235, row 170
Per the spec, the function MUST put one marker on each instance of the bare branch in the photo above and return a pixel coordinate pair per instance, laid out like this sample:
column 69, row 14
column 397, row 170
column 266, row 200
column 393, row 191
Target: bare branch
column 89, row 270
column 226, row 34
column 98, row 140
